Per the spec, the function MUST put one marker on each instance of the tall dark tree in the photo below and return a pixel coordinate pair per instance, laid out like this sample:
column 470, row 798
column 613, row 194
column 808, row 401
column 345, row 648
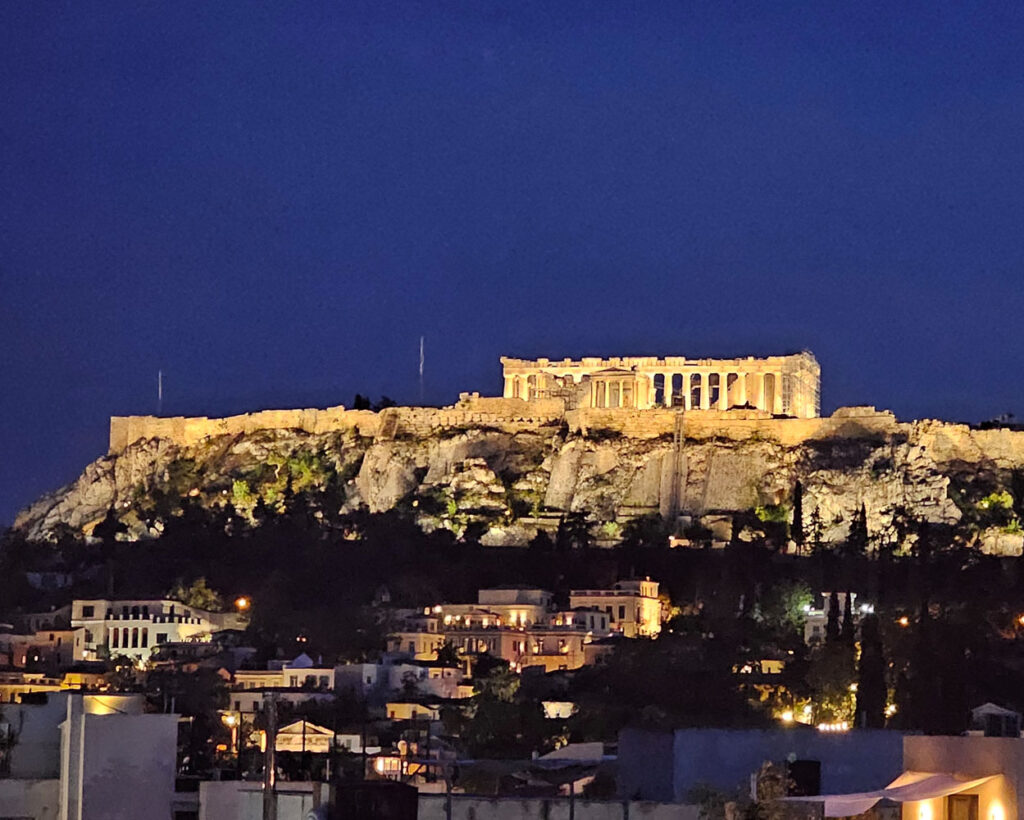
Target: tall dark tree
column 832, row 631
column 816, row 530
column 871, row 687
column 857, row 540
column 797, row 530
column 849, row 630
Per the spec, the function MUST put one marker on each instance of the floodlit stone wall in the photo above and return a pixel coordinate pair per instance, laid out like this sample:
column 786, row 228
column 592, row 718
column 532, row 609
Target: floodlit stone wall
column 508, row 415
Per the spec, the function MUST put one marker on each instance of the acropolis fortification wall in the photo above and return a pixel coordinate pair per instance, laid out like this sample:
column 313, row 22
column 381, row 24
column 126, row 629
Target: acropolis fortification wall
column 944, row 441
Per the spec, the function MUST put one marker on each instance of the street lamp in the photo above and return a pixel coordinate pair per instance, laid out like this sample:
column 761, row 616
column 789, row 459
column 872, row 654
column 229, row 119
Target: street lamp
column 242, row 603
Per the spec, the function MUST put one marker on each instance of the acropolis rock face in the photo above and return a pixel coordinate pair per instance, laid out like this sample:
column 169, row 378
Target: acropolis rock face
column 509, row 466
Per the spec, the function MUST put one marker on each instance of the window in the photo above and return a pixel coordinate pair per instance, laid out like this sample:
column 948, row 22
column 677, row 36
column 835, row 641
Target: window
column 622, row 613
column 88, row 611
column 412, row 646
column 161, row 637
column 238, row 706
column 88, row 636
column 135, row 638
column 145, row 636
column 962, row 807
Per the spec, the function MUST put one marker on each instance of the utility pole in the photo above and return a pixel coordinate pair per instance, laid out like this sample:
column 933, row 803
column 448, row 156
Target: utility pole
column 421, row 370
column 270, row 759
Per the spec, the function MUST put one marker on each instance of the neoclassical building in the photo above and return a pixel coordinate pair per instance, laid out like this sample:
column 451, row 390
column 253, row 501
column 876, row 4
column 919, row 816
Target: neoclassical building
column 782, row 385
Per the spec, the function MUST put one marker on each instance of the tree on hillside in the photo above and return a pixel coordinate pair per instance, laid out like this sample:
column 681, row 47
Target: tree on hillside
column 573, row 532
column 197, row 595
column 816, row 531
column 849, row 631
column 796, row 532
column 871, row 686
column 858, row 539
column 832, row 631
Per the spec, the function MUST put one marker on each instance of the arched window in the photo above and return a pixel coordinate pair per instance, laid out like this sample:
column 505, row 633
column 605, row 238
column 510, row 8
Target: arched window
column 114, row 635
column 145, row 636
column 135, row 637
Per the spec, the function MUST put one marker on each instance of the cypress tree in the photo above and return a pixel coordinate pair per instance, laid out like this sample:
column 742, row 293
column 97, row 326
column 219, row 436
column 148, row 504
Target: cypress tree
column 849, row 632
column 797, row 532
column 832, row 625
column 857, row 540
column 871, row 688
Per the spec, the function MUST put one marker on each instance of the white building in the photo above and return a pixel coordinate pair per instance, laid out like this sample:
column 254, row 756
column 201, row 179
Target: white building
column 633, row 606
column 135, row 627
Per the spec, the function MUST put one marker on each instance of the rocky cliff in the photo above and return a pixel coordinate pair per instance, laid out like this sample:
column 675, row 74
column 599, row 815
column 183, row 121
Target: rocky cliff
column 506, row 471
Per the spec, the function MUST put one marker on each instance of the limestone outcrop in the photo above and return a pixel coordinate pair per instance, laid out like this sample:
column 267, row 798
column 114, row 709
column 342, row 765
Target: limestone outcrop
column 500, row 469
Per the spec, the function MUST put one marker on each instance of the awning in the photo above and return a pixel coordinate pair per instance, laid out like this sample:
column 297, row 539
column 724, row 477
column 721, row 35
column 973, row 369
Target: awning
column 908, row 787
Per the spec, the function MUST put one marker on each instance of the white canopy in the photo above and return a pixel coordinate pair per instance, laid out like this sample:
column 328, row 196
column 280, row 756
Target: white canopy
column 908, row 787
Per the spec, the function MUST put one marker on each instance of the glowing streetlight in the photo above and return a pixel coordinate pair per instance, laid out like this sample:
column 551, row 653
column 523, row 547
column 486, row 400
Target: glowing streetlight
column 242, row 603
column 903, row 621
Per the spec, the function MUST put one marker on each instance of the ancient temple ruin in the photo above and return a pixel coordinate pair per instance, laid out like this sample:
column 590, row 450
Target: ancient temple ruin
column 781, row 385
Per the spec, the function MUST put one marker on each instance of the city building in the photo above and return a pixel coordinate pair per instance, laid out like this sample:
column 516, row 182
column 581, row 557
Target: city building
column 135, row 627
column 633, row 606
column 521, row 626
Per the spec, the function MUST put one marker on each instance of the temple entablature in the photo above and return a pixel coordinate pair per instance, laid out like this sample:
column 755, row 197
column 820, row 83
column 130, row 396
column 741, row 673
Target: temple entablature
column 780, row 385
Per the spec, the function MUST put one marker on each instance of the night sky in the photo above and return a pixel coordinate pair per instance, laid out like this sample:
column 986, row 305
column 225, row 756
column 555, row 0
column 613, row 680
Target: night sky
column 273, row 201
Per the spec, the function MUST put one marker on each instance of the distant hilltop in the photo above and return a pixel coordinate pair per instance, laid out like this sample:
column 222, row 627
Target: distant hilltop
column 543, row 391
column 503, row 469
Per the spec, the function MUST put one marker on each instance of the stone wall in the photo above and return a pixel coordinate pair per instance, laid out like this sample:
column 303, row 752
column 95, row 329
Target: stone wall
column 188, row 431
column 508, row 415
column 735, row 425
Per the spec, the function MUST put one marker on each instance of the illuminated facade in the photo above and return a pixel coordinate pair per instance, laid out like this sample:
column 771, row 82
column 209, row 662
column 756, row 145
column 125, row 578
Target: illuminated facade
column 781, row 385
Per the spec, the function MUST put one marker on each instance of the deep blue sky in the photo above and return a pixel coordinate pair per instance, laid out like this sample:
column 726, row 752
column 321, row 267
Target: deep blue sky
column 272, row 201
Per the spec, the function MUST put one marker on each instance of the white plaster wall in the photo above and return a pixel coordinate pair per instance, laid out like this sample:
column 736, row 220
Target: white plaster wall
column 235, row 800
column 432, row 807
column 36, row 754
column 127, row 766
column 34, row 799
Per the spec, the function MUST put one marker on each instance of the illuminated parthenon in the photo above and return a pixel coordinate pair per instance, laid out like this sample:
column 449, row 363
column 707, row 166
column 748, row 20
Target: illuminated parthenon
column 781, row 385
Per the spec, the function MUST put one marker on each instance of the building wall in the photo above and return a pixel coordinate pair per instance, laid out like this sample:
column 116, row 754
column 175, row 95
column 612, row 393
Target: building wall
column 30, row 799
column 143, row 623
column 970, row 757
column 635, row 609
column 860, row 760
column 119, row 765
column 234, row 800
column 469, row 807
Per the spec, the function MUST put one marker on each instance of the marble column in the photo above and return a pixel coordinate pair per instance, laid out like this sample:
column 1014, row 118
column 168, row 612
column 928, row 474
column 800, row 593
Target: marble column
column 723, row 391
column 705, row 393
column 777, row 407
column 741, row 397
column 687, row 395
